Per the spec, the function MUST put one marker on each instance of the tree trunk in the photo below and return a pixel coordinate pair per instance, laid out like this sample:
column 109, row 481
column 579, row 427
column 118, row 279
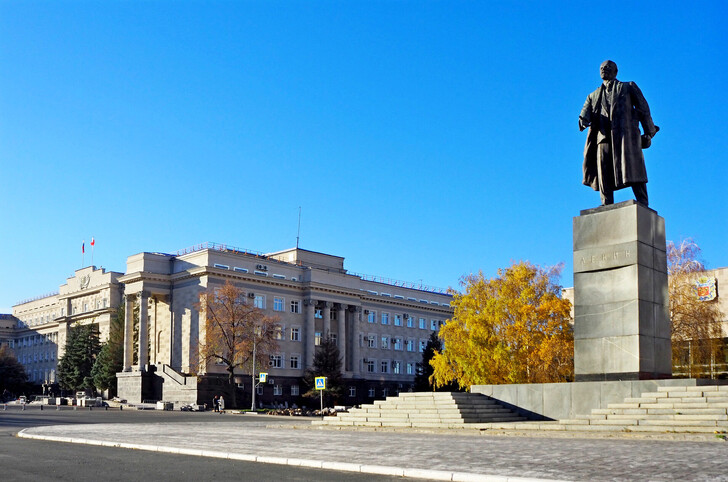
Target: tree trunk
column 233, row 388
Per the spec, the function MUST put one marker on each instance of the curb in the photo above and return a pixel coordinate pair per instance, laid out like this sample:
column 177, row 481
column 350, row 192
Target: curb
column 316, row 464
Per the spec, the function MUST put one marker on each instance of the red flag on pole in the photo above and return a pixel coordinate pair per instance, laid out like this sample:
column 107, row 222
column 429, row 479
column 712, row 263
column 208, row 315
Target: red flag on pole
column 93, row 241
column 83, row 247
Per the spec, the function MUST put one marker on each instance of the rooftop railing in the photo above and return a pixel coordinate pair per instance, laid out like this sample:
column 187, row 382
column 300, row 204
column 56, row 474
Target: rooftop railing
column 218, row 247
column 402, row 284
column 36, row 298
column 376, row 279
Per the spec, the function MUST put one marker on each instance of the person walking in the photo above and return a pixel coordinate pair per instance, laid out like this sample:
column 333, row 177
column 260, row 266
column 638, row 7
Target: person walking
column 222, row 404
column 215, row 403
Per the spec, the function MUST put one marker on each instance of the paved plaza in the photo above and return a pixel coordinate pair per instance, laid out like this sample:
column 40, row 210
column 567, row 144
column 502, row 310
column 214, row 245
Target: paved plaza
column 440, row 456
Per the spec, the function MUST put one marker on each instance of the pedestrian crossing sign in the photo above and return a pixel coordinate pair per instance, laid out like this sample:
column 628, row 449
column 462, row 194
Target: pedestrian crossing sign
column 320, row 383
column 262, row 377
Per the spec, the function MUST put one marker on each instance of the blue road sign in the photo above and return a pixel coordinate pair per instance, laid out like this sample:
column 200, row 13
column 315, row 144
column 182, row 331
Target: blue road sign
column 320, row 383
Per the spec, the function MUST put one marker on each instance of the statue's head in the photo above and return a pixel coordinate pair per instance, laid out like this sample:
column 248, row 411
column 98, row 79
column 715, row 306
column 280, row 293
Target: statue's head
column 608, row 70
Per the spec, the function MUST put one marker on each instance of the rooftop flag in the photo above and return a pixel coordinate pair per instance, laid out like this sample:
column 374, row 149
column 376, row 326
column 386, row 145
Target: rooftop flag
column 93, row 241
column 83, row 247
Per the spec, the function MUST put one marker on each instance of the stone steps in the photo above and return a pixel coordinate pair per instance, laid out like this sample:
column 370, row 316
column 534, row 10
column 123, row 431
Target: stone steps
column 426, row 410
column 670, row 409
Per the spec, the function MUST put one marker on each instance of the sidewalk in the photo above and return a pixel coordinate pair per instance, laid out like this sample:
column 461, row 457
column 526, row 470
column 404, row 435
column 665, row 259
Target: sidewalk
column 437, row 456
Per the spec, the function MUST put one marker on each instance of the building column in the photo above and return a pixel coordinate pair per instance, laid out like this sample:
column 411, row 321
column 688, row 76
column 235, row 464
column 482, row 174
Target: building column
column 309, row 330
column 341, row 322
column 326, row 313
column 143, row 348
column 128, row 332
column 355, row 348
column 62, row 339
column 153, row 324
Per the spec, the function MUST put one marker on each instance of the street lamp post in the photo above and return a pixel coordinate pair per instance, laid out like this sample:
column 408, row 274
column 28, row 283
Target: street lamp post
column 252, row 404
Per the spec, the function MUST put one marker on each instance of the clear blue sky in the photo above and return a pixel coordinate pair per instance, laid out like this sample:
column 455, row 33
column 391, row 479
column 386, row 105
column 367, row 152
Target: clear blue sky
column 423, row 140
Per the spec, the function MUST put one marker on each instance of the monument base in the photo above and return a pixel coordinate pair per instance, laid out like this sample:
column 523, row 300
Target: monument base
column 621, row 318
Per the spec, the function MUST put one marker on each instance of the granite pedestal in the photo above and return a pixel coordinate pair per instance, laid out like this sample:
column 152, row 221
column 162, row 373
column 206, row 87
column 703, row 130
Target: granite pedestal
column 621, row 317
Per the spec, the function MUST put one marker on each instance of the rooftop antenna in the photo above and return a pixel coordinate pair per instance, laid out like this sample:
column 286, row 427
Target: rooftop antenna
column 298, row 235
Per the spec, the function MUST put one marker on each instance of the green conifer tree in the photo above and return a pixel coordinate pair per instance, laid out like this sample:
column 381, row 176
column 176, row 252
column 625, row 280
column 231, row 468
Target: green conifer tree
column 74, row 367
column 110, row 359
column 326, row 363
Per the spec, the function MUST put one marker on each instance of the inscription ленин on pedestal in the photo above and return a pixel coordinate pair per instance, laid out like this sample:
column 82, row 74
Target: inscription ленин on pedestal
column 609, row 256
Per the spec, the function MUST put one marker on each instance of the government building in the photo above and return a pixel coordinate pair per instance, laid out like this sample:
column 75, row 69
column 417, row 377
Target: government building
column 380, row 326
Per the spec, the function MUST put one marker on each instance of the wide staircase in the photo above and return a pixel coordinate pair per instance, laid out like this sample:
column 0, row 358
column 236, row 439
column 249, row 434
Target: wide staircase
column 669, row 409
column 426, row 410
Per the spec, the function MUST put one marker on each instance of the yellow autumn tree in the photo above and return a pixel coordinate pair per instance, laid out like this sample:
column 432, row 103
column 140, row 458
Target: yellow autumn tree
column 514, row 328
column 697, row 344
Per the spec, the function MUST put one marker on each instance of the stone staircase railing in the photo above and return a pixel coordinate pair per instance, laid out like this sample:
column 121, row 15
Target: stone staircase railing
column 425, row 410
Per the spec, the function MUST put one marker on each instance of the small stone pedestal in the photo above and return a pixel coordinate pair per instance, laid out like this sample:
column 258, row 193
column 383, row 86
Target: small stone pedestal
column 621, row 317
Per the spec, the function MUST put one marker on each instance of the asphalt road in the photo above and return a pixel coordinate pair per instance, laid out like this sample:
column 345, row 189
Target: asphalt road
column 36, row 460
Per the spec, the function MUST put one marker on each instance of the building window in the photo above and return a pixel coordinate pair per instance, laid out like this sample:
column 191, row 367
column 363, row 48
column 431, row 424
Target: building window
column 275, row 361
column 260, row 301
column 372, row 392
column 433, row 325
column 317, row 314
column 277, row 304
column 397, row 320
column 295, row 362
column 370, row 366
column 294, row 390
column 295, row 306
column 385, row 343
column 277, row 390
column 372, row 317
column 317, row 338
column 422, row 323
column 333, row 315
column 385, row 392
column 384, row 367
column 410, row 322
column 279, row 332
column 410, row 345
column 295, row 334
column 410, row 368
column 352, row 391
column 423, row 344
column 396, row 367
column 398, row 344
column 371, row 341
column 334, row 338
column 259, row 389
column 385, row 318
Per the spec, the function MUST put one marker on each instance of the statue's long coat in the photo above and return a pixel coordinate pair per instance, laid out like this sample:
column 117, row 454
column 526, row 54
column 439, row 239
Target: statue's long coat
column 629, row 108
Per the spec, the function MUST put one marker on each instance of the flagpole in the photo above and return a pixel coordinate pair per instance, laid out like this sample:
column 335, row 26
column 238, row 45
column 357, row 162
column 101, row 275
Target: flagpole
column 83, row 251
